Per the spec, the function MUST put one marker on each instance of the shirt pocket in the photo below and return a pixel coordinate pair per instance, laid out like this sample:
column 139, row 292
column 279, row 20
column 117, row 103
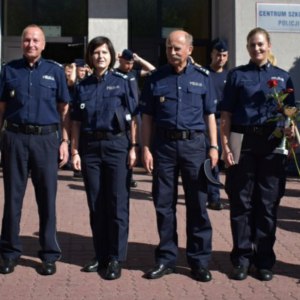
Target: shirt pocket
column 112, row 99
column 48, row 89
column 162, row 95
column 193, row 96
column 14, row 92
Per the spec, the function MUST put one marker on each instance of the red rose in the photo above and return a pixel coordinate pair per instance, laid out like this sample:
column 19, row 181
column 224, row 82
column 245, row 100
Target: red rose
column 272, row 82
column 287, row 91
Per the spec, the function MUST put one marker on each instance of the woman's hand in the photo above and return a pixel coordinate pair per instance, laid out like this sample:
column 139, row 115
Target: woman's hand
column 132, row 157
column 76, row 162
column 228, row 159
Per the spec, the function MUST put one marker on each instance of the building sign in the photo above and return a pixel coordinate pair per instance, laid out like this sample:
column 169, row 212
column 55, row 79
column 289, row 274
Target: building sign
column 278, row 17
column 53, row 31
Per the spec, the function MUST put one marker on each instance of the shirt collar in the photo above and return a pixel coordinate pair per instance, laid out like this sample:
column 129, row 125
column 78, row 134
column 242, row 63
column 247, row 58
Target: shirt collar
column 35, row 65
column 103, row 77
column 187, row 69
column 263, row 67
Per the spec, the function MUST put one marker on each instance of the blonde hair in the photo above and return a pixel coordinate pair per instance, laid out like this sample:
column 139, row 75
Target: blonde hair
column 271, row 56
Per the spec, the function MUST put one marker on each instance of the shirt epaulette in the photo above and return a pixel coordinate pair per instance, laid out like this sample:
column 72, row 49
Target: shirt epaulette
column 54, row 62
column 281, row 69
column 120, row 74
column 202, row 70
column 150, row 73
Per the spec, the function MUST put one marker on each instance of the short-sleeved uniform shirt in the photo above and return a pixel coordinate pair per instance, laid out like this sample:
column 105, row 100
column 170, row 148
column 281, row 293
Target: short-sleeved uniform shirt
column 178, row 101
column 246, row 94
column 96, row 101
column 31, row 93
column 219, row 80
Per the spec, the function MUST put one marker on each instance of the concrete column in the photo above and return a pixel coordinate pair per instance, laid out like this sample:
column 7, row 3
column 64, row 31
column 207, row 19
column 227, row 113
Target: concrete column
column 109, row 18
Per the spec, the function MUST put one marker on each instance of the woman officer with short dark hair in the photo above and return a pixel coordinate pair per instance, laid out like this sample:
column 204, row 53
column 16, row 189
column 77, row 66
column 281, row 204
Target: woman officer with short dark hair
column 104, row 119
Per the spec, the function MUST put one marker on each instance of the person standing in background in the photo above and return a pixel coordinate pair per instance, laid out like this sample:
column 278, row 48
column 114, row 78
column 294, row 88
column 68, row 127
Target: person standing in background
column 127, row 59
column 218, row 74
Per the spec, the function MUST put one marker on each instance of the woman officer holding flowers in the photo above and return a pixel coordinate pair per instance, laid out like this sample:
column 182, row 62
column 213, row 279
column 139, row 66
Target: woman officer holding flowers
column 255, row 181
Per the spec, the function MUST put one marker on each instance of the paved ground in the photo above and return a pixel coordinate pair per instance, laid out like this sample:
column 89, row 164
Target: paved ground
column 75, row 240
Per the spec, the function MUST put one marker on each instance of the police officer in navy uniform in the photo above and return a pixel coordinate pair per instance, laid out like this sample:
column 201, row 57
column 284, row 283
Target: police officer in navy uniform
column 218, row 74
column 34, row 101
column 104, row 119
column 256, row 182
column 179, row 99
column 127, row 62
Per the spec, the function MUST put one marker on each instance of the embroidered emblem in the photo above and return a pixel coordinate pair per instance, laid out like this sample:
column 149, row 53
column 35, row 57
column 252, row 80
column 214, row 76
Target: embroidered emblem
column 162, row 99
column 82, row 105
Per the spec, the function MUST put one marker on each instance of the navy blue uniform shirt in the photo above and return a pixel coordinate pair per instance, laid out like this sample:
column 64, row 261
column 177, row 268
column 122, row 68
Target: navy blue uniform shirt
column 31, row 93
column 246, row 94
column 95, row 102
column 219, row 80
column 178, row 101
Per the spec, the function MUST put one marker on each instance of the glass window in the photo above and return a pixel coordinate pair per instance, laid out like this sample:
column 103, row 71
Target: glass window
column 192, row 16
column 71, row 15
column 143, row 18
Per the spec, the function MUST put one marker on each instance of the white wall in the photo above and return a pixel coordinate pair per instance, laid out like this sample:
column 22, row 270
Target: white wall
column 285, row 46
column 110, row 19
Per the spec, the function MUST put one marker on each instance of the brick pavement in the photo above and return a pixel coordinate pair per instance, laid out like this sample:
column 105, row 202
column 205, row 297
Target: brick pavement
column 75, row 240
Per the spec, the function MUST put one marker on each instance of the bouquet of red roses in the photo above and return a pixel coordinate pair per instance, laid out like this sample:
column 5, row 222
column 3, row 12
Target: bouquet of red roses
column 286, row 115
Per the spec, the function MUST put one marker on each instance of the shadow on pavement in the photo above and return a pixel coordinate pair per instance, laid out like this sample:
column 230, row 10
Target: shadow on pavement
column 78, row 250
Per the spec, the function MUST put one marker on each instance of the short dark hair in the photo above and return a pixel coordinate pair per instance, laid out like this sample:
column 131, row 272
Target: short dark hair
column 95, row 43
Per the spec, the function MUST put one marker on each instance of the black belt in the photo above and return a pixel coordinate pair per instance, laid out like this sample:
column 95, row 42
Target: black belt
column 30, row 129
column 102, row 135
column 260, row 130
column 178, row 134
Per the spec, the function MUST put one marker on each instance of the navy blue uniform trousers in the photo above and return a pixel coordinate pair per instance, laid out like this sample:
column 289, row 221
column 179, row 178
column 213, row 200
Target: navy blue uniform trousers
column 255, row 187
column 170, row 156
column 107, row 183
column 39, row 154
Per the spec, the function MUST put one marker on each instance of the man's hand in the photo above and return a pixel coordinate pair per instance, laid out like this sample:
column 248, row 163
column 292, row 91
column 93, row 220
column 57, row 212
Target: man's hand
column 213, row 155
column 63, row 154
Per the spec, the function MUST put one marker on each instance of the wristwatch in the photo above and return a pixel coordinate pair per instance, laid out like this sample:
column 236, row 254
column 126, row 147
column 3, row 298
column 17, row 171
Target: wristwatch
column 214, row 147
column 134, row 145
column 65, row 141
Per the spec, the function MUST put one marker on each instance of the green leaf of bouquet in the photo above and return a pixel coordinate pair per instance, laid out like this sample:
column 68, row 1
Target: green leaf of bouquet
column 277, row 133
column 273, row 119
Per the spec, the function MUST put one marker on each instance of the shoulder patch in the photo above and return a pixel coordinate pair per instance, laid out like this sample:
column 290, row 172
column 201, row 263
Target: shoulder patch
column 120, row 74
column 201, row 69
column 54, row 62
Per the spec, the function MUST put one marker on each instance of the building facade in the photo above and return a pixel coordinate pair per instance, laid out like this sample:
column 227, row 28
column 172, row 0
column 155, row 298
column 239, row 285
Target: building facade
column 142, row 25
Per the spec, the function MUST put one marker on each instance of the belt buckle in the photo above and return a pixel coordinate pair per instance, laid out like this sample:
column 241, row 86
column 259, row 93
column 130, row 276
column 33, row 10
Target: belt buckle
column 175, row 135
column 31, row 129
column 100, row 135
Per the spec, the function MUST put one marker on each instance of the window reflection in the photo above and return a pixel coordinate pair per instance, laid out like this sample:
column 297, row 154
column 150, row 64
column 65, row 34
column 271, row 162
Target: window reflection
column 71, row 15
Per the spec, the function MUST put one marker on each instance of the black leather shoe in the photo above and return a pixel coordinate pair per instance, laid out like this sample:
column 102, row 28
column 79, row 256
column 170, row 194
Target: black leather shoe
column 95, row 265
column 113, row 270
column 48, row 267
column 133, row 183
column 159, row 271
column 264, row 274
column 201, row 273
column 215, row 205
column 91, row 266
column 8, row 265
column 240, row 272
